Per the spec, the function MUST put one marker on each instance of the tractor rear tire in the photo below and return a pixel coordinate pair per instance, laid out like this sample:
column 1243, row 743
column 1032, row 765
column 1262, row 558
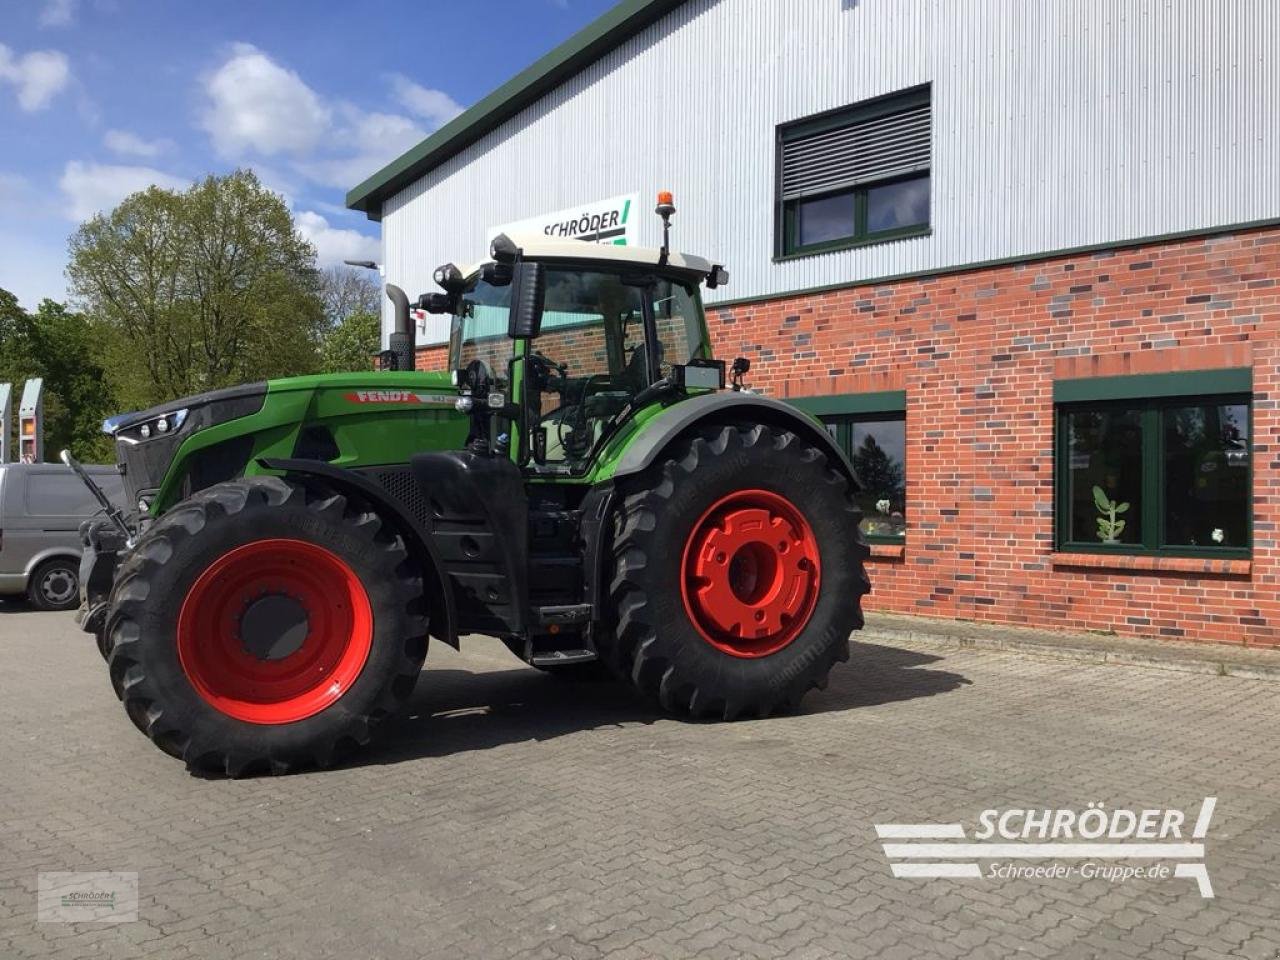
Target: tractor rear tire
column 263, row 626
column 738, row 574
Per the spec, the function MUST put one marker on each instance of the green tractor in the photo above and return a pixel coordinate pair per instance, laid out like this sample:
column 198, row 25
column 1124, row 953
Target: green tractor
column 583, row 485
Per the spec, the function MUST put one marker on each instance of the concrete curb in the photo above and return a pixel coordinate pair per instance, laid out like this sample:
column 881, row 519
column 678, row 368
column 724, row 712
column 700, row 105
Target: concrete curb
column 1213, row 659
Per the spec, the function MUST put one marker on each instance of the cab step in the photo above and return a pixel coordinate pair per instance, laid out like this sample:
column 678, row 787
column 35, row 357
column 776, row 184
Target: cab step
column 566, row 615
column 559, row 658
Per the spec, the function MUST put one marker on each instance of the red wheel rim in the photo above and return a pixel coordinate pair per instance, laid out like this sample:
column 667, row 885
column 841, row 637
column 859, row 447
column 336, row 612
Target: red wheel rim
column 750, row 573
column 322, row 653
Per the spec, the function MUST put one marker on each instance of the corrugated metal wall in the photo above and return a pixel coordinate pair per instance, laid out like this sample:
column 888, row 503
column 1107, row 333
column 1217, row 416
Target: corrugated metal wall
column 1056, row 123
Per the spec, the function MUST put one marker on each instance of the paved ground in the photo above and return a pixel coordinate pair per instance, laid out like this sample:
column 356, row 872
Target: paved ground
column 513, row 816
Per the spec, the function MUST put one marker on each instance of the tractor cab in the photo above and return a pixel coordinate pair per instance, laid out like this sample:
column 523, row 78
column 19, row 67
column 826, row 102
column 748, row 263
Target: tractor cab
column 555, row 343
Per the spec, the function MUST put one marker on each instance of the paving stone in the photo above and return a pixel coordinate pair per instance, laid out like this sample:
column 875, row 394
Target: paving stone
column 510, row 815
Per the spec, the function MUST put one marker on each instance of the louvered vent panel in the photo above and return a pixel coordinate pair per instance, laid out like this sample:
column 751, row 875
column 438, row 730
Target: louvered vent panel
column 861, row 152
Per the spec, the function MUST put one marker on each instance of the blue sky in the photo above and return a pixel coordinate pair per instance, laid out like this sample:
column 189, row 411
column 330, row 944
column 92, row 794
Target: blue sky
column 99, row 98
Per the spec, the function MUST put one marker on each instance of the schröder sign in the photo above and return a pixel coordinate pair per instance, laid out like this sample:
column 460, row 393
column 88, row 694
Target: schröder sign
column 603, row 221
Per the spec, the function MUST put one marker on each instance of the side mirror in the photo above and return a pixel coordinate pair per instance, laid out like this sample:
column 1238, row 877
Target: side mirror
column 528, row 292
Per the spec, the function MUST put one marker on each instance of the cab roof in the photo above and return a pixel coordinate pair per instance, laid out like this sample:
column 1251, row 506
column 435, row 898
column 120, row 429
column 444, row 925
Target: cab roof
column 536, row 246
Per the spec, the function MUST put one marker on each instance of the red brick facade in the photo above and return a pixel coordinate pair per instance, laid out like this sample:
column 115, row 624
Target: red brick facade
column 977, row 353
column 434, row 357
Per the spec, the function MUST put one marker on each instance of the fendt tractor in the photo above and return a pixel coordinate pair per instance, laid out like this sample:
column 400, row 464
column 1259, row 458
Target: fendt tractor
column 582, row 485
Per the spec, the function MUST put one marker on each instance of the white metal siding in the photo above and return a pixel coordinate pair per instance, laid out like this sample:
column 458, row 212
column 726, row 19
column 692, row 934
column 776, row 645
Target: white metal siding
column 1056, row 123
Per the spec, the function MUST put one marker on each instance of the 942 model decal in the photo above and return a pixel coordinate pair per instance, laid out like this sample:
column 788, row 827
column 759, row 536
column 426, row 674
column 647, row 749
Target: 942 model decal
column 400, row 396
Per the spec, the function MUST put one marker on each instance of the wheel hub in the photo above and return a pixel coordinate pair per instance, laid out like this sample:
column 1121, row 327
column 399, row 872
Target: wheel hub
column 273, row 627
column 58, row 585
column 275, row 631
column 751, row 573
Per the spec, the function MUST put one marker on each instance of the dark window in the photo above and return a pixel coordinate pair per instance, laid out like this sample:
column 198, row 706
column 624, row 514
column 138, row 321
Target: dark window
column 855, row 175
column 894, row 206
column 1168, row 475
column 1206, row 463
column 1104, row 450
column 876, row 446
column 823, row 219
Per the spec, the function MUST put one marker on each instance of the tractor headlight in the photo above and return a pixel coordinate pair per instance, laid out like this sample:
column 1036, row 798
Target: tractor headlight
column 155, row 427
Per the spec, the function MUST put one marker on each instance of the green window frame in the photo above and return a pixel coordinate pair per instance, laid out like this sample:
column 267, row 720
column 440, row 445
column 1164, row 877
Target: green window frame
column 841, row 414
column 787, row 243
column 1151, row 396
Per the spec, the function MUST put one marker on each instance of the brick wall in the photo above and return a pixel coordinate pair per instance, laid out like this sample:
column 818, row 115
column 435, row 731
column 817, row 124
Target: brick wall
column 434, row 357
column 977, row 353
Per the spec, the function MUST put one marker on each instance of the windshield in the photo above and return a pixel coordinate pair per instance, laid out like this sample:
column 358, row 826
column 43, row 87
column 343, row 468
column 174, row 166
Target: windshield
column 479, row 329
column 576, row 299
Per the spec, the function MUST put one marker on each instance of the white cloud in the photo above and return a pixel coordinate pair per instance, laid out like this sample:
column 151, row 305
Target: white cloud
column 335, row 244
column 37, row 77
column 378, row 139
column 92, row 188
column 434, row 106
column 58, row 13
column 257, row 106
column 127, row 144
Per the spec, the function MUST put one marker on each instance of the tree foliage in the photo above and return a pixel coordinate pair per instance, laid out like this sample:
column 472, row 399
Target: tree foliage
column 200, row 289
column 63, row 347
column 345, row 291
column 352, row 343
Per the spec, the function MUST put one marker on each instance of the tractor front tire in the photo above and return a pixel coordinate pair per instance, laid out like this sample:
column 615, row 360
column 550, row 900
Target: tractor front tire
column 738, row 574
column 263, row 626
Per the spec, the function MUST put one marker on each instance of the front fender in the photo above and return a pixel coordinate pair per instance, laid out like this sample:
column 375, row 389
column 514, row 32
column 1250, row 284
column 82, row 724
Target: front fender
column 437, row 588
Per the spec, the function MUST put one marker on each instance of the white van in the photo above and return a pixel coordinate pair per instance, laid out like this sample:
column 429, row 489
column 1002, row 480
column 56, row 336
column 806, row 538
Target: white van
column 41, row 508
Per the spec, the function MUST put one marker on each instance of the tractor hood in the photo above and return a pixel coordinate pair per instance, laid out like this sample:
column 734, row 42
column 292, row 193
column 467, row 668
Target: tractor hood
column 148, row 441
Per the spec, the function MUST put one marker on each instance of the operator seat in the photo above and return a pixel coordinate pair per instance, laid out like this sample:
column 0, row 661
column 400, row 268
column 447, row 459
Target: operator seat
column 636, row 375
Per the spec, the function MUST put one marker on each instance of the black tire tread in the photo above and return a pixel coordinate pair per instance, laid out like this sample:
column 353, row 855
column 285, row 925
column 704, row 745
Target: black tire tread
column 635, row 651
column 132, row 588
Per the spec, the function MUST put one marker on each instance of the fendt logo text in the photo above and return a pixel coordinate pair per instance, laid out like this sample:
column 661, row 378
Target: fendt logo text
column 399, row 396
column 1096, row 836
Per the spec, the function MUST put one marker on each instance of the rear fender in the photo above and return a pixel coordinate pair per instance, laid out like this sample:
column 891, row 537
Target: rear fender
column 728, row 406
column 439, row 596
column 657, row 436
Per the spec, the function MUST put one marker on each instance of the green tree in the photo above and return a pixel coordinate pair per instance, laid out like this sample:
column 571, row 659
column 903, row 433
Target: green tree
column 15, row 355
column 345, row 291
column 64, row 348
column 352, row 343
column 199, row 289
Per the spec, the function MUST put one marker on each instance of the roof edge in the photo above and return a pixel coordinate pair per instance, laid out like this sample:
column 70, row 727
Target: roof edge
column 584, row 48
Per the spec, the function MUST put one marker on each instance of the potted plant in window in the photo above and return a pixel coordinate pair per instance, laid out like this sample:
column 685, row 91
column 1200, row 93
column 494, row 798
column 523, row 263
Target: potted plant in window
column 1109, row 526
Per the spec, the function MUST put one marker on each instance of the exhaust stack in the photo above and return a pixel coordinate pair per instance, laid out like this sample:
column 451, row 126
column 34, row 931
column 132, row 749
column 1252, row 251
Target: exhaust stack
column 401, row 339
